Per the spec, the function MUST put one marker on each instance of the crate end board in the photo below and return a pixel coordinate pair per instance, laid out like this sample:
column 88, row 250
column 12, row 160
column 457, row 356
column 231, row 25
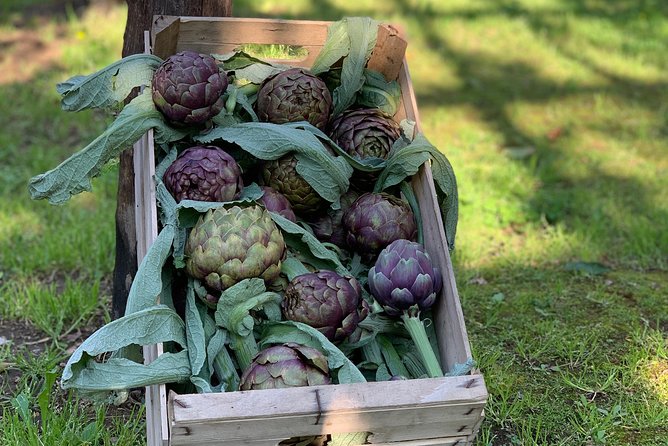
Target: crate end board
column 171, row 34
column 219, row 35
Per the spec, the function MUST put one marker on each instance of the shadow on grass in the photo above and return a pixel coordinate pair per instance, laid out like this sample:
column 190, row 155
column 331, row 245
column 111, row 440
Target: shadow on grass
column 492, row 85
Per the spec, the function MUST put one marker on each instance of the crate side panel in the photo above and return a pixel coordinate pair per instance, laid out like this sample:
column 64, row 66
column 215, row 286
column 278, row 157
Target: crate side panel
column 448, row 315
column 320, row 399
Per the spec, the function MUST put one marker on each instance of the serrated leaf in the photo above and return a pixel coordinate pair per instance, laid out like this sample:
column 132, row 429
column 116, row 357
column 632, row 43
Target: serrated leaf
column 147, row 284
column 110, row 86
column 195, row 336
column 336, row 46
column 348, row 439
column 328, row 175
column 74, row 174
column 362, row 32
column 405, row 162
column 378, row 93
column 145, row 327
column 305, row 243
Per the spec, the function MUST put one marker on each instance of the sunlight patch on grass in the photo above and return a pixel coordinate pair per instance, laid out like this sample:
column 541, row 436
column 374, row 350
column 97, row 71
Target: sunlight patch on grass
column 20, row 220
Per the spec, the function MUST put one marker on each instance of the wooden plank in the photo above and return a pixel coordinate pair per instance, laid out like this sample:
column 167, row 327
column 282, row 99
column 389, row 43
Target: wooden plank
column 264, row 414
column 165, row 35
column 448, row 316
column 227, row 30
column 423, row 431
column 357, row 397
column 389, row 52
column 445, row 441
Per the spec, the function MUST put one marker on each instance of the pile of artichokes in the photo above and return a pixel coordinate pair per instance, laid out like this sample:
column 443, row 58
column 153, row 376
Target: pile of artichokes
column 291, row 246
column 377, row 231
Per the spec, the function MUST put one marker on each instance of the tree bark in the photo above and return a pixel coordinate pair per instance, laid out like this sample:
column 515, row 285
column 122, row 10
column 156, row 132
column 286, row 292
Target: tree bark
column 140, row 18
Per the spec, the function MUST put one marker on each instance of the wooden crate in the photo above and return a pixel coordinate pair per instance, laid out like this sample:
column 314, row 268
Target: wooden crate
column 433, row 411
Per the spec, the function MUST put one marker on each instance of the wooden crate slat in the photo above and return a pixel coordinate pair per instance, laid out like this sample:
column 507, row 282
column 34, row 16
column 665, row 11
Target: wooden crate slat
column 321, row 399
column 422, row 431
column 448, row 317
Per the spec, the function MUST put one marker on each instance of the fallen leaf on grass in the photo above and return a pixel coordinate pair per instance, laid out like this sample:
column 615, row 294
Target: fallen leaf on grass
column 592, row 268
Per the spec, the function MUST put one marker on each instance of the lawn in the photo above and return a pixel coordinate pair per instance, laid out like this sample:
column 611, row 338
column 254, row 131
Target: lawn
column 554, row 115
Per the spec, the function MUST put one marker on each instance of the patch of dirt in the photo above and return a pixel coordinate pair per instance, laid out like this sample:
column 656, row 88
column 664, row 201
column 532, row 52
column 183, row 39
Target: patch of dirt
column 21, row 333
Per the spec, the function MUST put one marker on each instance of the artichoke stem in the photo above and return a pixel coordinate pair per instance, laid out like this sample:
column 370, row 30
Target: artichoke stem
column 223, row 365
column 372, row 353
column 415, row 328
column 245, row 348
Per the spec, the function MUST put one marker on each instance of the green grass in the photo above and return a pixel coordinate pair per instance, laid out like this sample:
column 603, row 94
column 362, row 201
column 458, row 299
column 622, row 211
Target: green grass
column 553, row 114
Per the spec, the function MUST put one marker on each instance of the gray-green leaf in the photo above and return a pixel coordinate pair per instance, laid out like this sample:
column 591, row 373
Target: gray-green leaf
column 74, row 174
column 328, row 175
column 108, row 87
column 235, row 303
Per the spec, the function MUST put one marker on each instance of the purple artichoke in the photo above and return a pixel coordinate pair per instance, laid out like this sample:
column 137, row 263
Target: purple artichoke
column 326, row 301
column 404, row 281
column 281, row 175
column 365, row 133
column 286, row 365
column 204, row 173
column 275, row 201
column 375, row 220
column 327, row 227
column 188, row 87
column 294, row 95
column 404, row 276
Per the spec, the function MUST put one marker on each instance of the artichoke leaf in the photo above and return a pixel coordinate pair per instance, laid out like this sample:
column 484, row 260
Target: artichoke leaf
column 235, row 303
column 405, row 162
column 379, row 93
column 336, row 47
column 74, row 174
column 289, row 331
column 328, row 175
column 308, row 246
column 370, row 164
column 145, row 327
column 147, row 284
column 362, row 32
column 195, row 335
column 189, row 211
column 110, row 86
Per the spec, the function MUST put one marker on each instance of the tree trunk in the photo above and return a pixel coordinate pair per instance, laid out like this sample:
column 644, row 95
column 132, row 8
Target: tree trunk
column 140, row 18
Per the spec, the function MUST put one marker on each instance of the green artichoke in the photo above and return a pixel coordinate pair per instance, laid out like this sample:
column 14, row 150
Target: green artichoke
column 275, row 201
column 204, row 173
column 187, row 88
column 286, row 365
column 281, row 175
column 294, row 95
column 326, row 301
column 375, row 220
column 229, row 245
column 364, row 133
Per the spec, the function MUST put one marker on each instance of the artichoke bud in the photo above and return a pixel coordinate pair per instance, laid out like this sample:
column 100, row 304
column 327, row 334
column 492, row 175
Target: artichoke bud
column 229, row 245
column 204, row 173
column 286, row 365
column 364, row 133
column 275, row 201
column 188, row 87
column 404, row 279
column 326, row 301
column 375, row 220
column 281, row 175
column 294, row 95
